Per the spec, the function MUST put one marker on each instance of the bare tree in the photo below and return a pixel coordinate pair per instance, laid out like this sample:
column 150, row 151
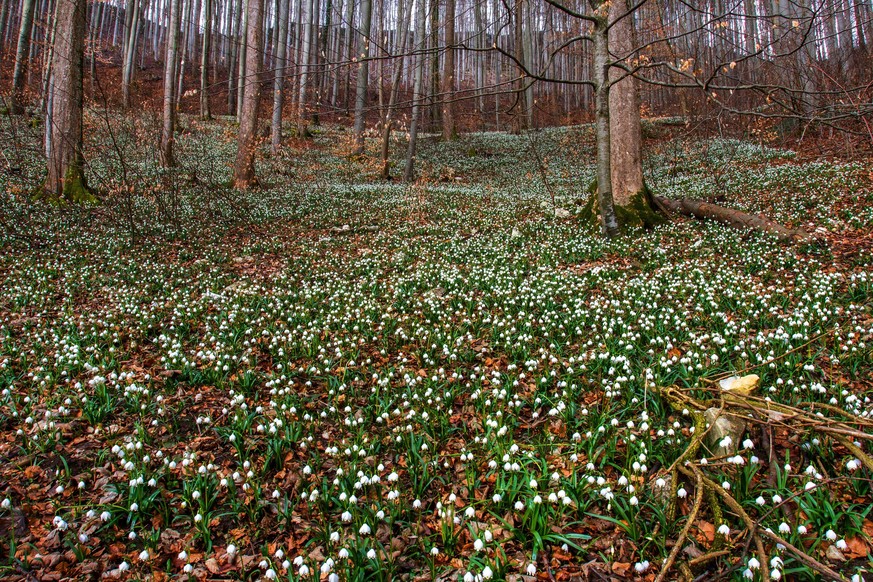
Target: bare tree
column 204, row 60
column 22, row 53
column 244, row 168
column 418, row 93
column 170, row 62
column 449, row 129
column 279, row 81
column 363, row 74
column 66, row 177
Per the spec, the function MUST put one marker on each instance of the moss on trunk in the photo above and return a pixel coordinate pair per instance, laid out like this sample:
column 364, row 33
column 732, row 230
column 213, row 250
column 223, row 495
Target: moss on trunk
column 640, row 212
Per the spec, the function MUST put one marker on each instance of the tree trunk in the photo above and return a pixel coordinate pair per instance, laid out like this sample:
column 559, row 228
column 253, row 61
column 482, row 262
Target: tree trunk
column 608, row 219
column 243, row 72
column 625, row 136
column 434, row 64
column 449, row 130
column 363, row 75
column 244, row 168
column 280, row 63
column 170, row 62
column 129, row 52
column 418, row 93
column 404, row 8
column 306, row 16
column 204, row 60
column 521, row 93
column 65, row 164
column 22, row 53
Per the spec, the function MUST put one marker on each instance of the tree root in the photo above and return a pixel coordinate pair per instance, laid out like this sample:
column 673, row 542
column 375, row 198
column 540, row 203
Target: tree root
column 767, row 414
column 735, row 218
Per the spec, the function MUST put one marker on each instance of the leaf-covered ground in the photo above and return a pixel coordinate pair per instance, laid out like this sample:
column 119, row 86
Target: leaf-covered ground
column 340, row 378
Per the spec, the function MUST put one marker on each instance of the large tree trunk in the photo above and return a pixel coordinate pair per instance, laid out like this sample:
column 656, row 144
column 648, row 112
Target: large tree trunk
column 417, row 92
column 204, row 60
column 280, row 63
column 65, row 164
column 306, row 16
column 625, row 135
column 22, row 53
column 363, row 75
column 170, row 62
column 449, row 130
column 244, row 168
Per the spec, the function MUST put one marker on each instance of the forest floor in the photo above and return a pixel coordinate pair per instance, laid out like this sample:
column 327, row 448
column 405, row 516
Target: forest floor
column 334, row 375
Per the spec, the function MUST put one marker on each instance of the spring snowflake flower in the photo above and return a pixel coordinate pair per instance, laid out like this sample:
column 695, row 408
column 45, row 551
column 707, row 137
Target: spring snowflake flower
column 144, row 555
column 724, row 529
column 681, row 493
column 231, row 550
column 365, row 530
column 754, row 564
column 531, row 569
column 831, row 535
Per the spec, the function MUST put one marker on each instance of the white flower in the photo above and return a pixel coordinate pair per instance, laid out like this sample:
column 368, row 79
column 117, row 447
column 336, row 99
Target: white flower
column 784, row 528
column 270, row 574
column 842, row 545
column 682, row 493
column 831, row 535
column 434, row 551
column 365, row 530
column 123, row 567
column 487, row 573
column 144, row 555
column 754, row 564
column 304, row 570
column 724, row 529
column 468, row 577
column 641, row 567
column 231, row 550
column 478, row 545
column 531, row 569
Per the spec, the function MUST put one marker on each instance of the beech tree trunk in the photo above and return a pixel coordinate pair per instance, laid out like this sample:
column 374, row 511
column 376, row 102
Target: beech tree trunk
column 363, row 74
column 65, row 164
column 22, row 53
column 449, row 130
column 131, row 35
column 404, row 10
column 417, row 91
column 609, row 221
column 244, row 168
column 625, row 135
column 204, row 60
column 170, row 86
column 280, row 62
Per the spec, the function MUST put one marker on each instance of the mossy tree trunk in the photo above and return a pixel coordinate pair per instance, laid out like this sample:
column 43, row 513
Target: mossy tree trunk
column 66, row 179
column 622, row 199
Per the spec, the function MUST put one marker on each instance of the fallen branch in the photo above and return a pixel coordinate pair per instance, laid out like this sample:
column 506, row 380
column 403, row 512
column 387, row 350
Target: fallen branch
column 735, row 218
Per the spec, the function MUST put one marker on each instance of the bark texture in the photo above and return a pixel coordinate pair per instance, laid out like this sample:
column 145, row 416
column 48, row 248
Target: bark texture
column 170, row 63
column 244, row 168
column 625, row 145
column 65, row 175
